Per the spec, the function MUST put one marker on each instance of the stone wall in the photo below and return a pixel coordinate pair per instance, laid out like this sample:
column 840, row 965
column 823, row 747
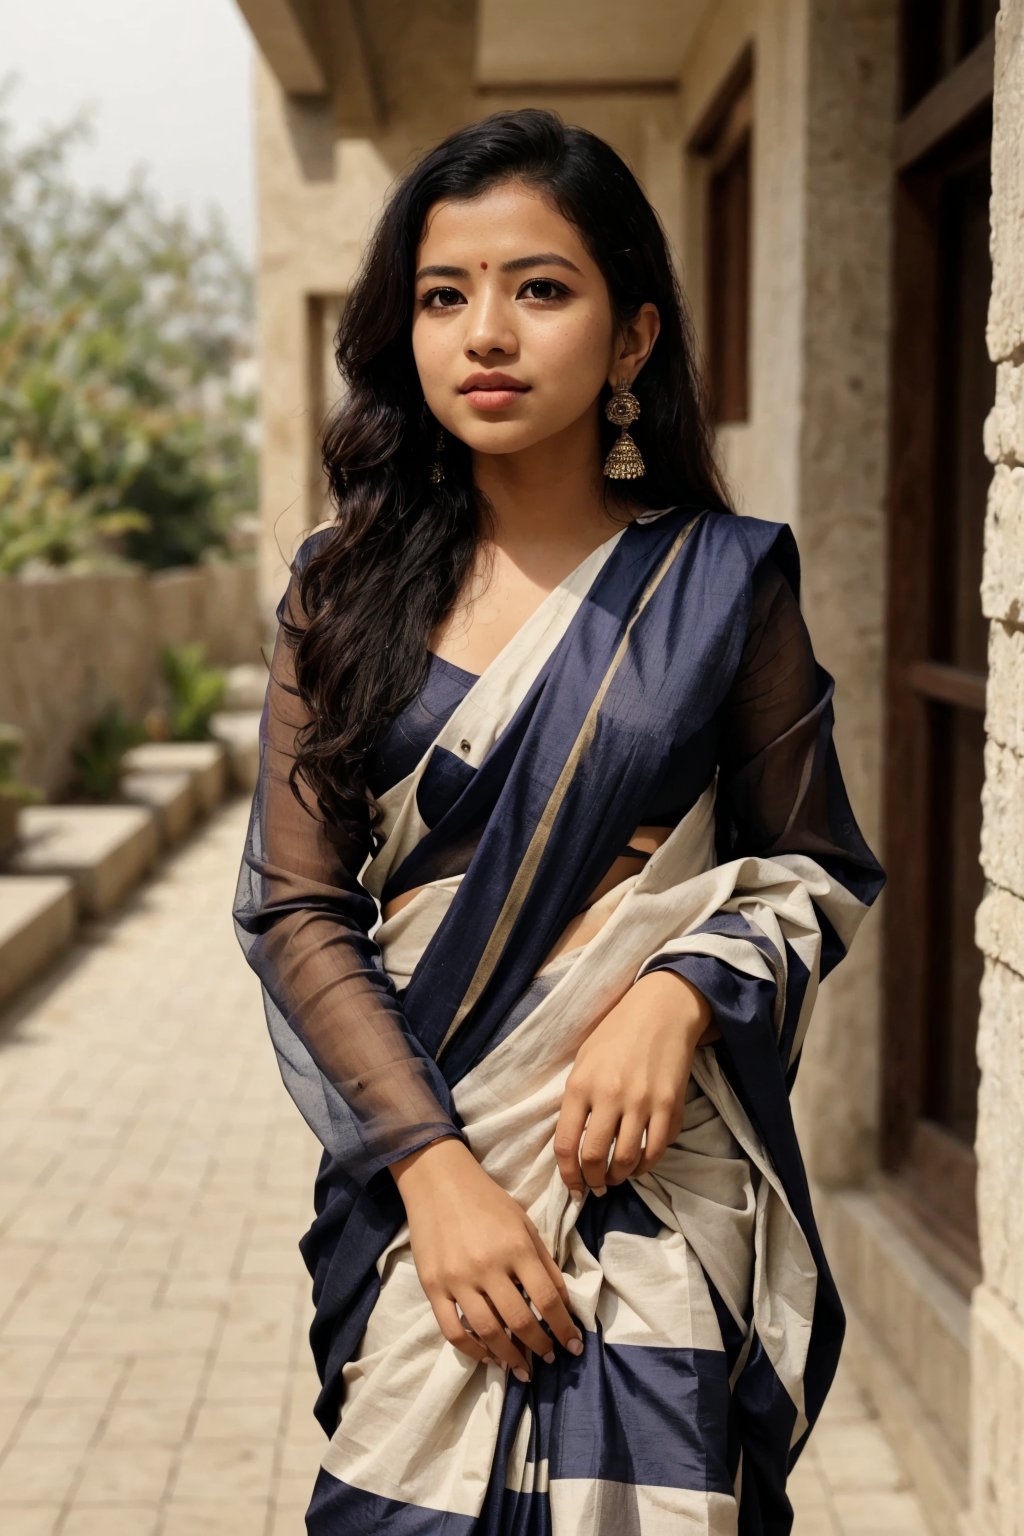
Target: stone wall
column 813, row 449
column 997, row 1314
column 841, row 520
column 73, row 643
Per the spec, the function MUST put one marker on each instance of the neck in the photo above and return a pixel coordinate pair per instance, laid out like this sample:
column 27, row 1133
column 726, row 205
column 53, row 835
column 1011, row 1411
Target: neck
column 552, row 494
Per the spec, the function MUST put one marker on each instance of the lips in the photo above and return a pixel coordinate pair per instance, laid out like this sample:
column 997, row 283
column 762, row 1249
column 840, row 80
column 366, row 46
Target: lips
column 492, row 391
column 492, row 399
column 492, row 381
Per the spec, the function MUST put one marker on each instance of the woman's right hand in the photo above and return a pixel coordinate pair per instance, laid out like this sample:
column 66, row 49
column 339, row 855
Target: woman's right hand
column 471, row 1242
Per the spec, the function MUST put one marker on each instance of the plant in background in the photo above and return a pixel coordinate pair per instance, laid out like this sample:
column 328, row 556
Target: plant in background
column 196, row 691
column 97, row 754
column 13, row 793
column 121, row 435
column 12, row 741
column 42, row 523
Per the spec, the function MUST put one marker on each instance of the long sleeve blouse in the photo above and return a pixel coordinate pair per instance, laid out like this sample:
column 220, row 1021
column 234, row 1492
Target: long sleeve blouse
column 303, row 919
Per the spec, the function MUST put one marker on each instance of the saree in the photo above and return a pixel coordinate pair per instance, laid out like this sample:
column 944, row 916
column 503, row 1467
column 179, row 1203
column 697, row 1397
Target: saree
column 712, row 1325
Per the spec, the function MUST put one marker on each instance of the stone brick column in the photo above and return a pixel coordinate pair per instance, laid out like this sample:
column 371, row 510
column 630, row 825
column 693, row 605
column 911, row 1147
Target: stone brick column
column 840, row 514
column 997, row 1315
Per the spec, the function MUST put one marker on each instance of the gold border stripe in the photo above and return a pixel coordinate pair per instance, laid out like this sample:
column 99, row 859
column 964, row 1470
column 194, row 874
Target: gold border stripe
column 527, row 871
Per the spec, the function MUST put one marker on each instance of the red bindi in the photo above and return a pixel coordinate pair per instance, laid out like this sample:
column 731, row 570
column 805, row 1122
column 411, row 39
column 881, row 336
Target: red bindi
column 483, row 265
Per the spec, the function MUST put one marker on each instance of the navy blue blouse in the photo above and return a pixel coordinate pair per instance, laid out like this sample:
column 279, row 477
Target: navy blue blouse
column 405, row 739
column 774, row 666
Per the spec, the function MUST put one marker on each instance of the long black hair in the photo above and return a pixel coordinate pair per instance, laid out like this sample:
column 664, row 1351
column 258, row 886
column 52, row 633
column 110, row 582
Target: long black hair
column 391, row 566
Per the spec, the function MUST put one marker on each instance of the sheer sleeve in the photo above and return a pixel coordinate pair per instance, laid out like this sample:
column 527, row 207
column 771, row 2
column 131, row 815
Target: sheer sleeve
column 366, row 1088
column 803, row 875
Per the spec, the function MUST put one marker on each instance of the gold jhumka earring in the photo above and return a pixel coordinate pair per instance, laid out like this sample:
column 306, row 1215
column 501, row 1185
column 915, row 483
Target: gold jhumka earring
column 624, row 462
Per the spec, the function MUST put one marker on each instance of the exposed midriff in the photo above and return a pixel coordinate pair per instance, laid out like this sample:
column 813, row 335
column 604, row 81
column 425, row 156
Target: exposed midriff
column 581, row 927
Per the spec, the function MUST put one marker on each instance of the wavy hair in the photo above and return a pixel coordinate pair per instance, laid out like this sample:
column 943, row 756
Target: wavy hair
column 391, row 566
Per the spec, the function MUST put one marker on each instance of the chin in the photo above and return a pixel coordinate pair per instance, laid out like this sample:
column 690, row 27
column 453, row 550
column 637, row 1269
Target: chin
column 497, row 436
column 498, row 446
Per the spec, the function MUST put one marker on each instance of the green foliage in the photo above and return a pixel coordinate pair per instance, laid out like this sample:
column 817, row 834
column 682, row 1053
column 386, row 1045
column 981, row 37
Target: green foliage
column 120, row 436
column 41, row 521
column 12, row 740
column 196, row 691
column 98, row 752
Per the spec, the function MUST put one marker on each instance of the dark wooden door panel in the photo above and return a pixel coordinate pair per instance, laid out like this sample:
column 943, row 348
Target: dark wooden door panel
column 942, row 388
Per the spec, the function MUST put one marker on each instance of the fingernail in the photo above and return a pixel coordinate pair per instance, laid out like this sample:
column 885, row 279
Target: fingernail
column 520, row 1374
column 575, row 1346
column 549, row 1357
column 577, row 1196
column 601, row 1189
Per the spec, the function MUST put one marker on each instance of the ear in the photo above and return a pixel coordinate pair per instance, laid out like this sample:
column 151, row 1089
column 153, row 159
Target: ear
column 634, row 342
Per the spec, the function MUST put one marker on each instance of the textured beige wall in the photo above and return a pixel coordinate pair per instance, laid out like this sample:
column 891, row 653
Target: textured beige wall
column 842, row 457
column 73, row 644
column 759, row 456
column 997, row 1332
column 813, row 451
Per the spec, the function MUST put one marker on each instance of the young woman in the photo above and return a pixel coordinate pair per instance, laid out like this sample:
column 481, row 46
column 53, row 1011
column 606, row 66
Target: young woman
column 545, row 697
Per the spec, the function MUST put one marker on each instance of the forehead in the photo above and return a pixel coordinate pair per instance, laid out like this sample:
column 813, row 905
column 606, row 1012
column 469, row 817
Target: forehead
column 497, row 222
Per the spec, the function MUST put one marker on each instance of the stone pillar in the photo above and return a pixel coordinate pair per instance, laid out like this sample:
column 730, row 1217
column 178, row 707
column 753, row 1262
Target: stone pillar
column 813, row 451
column 840, row 515
column 997, row 1312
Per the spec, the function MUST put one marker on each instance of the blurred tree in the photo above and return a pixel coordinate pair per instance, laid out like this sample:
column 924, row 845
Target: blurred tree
column 121, row 437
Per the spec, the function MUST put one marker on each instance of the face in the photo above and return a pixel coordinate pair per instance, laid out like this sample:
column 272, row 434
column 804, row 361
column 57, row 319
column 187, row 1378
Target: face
column 505, row 286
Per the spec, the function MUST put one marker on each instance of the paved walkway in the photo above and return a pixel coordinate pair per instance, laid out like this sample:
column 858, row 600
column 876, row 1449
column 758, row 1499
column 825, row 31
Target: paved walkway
column 155, row 1377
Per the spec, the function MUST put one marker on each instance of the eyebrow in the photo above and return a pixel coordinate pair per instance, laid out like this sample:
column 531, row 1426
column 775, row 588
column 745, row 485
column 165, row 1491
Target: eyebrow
column 545, row 259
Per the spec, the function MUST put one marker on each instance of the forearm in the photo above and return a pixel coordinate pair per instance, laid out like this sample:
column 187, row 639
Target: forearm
column 666, row 986
column 427, row 1165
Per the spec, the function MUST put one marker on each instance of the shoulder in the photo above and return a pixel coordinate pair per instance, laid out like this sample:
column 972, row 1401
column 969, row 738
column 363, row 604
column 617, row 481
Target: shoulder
column 312, row 542
column 752, row 550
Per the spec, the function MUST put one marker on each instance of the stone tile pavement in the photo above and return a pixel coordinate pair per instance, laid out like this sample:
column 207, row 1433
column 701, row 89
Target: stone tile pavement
column 155, row 1377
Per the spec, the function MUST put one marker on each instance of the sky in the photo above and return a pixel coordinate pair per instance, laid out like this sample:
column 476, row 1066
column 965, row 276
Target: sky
column 170, row 80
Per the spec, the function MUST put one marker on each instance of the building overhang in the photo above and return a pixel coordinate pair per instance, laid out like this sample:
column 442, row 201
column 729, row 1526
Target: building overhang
column 319, row 49
column 584, row 45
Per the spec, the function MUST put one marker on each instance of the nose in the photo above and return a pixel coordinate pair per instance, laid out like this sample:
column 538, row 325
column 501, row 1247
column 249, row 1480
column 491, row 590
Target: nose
column 487, row 326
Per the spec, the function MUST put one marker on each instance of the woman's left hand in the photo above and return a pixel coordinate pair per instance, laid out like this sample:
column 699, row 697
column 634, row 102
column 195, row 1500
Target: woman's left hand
column 630, row 1075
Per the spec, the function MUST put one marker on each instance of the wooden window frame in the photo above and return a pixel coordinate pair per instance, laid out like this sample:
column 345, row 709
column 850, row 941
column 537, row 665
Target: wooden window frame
column 724, row 133
column 925, row 1167
column 318, row 307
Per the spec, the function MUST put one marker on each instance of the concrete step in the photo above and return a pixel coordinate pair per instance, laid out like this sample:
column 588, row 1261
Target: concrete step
column 247, row 687
column 206, row 763
column 104, row 849
column 239, row 731
column 170, row 794
column 38, row 918
column 74, row 861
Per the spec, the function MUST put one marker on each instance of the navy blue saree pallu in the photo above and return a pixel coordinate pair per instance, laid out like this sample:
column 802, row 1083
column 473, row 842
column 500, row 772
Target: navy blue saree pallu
column 711, row 1321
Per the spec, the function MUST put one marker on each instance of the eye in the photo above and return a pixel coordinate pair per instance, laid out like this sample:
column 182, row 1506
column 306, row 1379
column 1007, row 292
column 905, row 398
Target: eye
column 558, row 291
column 547, row 282
column 433, row 292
